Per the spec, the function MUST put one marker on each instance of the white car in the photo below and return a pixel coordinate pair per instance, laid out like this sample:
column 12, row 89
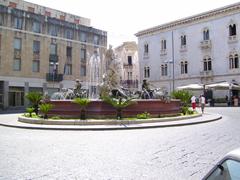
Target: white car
column 226, row 169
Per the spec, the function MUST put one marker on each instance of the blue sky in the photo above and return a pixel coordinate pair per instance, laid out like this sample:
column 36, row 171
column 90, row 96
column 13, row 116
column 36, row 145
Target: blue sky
column 123, row 18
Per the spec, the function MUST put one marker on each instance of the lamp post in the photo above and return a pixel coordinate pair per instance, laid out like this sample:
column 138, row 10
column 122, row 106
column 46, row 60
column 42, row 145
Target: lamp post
column 54, row 70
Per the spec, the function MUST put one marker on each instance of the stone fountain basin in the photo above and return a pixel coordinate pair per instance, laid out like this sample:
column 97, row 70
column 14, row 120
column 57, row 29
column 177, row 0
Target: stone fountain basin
column 98, row 109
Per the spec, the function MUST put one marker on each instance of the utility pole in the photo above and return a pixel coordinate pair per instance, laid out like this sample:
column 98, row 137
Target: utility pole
column 173, row 62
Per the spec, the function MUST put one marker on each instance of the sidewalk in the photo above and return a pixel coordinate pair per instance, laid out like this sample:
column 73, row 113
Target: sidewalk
column 11, row 120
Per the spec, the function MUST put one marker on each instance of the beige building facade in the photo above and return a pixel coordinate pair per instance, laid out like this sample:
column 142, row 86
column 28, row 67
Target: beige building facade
column 42, row 49
column 128, row 53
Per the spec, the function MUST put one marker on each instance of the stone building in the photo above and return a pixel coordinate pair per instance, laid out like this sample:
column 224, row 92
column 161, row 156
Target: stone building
column 43, row 49
column 204, row 48
column 128, row 53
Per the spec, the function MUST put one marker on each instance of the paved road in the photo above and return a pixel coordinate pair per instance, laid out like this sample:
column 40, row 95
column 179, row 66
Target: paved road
column 164, row 153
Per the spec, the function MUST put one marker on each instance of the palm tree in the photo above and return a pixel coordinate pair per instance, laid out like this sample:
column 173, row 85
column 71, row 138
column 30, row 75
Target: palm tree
column 119, row 104
column 35, row 99
column 83, row 103
column 45, row 108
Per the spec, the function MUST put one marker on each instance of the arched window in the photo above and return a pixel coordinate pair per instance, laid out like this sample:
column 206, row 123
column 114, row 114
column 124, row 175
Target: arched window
column 232, row 30
column 184, row 67
column 164, row 70
column 207, row 64
column 233, row 61
column 206, row 34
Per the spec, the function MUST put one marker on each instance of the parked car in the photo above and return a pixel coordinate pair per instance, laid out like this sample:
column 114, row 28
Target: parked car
column 226, row 169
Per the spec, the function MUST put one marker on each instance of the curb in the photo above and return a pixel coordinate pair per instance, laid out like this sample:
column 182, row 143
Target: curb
column 121, row 126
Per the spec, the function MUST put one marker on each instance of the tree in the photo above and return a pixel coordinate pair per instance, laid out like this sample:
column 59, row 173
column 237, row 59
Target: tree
column 119, row 104
column 35, row 99
column 83, row 103
column 185, row 98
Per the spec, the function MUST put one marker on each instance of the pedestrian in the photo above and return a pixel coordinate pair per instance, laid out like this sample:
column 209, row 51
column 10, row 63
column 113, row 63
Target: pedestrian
column 202, row 103
column 193, row 101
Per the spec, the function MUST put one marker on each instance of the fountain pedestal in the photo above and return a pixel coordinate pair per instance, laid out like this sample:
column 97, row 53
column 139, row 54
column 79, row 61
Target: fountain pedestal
column 99, row 109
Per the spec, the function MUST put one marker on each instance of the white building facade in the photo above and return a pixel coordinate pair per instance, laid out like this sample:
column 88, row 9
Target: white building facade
column 200, row 49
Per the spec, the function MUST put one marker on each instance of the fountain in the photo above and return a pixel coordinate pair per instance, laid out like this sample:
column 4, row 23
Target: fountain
column 108, row 85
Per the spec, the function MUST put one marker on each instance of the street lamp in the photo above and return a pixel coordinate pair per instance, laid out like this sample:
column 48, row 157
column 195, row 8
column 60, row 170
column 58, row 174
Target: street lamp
column 55, row 64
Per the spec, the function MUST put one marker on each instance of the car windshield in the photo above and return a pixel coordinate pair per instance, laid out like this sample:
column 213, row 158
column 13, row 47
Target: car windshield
column 228, row 170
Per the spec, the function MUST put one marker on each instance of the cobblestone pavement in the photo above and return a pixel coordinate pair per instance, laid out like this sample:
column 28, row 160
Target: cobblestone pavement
column 185, row 152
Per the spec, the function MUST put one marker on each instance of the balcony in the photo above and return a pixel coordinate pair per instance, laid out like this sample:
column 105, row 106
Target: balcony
column 232, row 39
column 17, row 54
column 127, row 66
column 53, row 58
column 206, row 73
column 129, row 83
column 206, row 44
column 183, row 48
column 54, row 77
column 163, row 52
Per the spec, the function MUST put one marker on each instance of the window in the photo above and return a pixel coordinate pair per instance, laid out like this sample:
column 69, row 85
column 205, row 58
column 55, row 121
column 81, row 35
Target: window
column 146, row 49
column 229, row 169
column 17, row 43
column 146, row 72
column 35, row 66
column 83, row 55
column 183, row 41
column 206, row 34
column 69, row 33
column 232, row 30
column 0, row 41
column 69, row 51
column 68, row 69
column 17, row 64
column 233, row 61
column 164, row 70
column 1, row 18
column 36, row 47
column 17, row 22
column 53, row 49
column 53, row 30
column 207, row 64
column 36, row 27
column 184, row 67
column 83, row 71
column 96, row 40
column 129, row 75
column 163, row 44
column 83, row 37
column 129, row 60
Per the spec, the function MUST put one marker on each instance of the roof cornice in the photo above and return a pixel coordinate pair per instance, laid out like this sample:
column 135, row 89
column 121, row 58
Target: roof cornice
column 226, row 10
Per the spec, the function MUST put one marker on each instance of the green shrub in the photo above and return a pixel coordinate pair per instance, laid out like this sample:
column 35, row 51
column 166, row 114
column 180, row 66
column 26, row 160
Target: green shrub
column 45, row 108
column 30, row 110
column 183, row 95
column 118, row 103
column 83, row 103
column 35, row 99
column 144, row 115
column 186, row 110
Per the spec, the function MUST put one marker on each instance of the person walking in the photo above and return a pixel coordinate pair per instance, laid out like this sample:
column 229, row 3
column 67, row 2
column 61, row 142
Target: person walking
column 193, row 101
column 202, row 103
